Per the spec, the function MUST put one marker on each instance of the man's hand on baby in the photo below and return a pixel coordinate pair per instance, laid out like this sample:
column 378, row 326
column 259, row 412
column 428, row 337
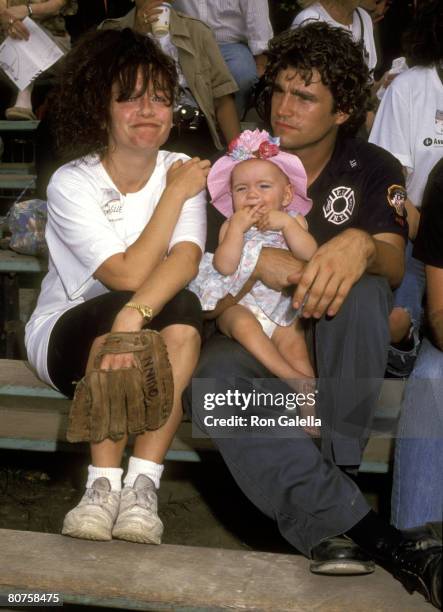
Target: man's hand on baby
column 246, row 217
column 275, row 220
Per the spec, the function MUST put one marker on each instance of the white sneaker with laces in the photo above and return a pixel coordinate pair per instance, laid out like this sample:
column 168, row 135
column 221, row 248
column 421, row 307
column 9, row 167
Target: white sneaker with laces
column 95, row 514
column 137, row 519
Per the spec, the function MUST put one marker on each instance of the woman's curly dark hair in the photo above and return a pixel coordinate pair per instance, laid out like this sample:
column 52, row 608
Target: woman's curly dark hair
column 338, row 59
column 81, row 101
column 423, row 41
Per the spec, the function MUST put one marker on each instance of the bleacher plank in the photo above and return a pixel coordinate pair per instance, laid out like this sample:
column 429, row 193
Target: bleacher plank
column 33, row 416
column 10, row 261
column 183, row 578
column 17, row 181
column 18, row 126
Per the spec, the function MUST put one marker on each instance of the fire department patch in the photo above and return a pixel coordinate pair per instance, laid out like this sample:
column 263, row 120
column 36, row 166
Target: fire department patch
column 397, row 198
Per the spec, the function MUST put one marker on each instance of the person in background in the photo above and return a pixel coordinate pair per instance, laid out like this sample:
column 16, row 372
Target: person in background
column 90, row 14
column 242, row 29
column 50, row 15
column 409, row 124
column 417, row 492
column 206, row 84
column 344, row 14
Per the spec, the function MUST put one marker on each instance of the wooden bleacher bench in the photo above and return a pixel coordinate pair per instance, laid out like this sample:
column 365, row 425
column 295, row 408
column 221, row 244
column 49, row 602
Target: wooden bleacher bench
column 18, row 126
column 12, row 262
column 127, row 576
column 33, row 416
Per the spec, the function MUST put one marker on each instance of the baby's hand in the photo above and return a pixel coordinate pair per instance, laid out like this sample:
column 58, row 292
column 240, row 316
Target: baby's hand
column 245, row 218
column 275, row 220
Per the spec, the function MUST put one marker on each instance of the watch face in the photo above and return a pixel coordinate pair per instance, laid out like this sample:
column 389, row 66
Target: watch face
column 147, row 312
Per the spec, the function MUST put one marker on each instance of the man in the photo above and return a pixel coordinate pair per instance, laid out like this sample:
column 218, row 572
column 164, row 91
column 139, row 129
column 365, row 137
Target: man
column 242, row 29
column 317, row 91
column 417, row 492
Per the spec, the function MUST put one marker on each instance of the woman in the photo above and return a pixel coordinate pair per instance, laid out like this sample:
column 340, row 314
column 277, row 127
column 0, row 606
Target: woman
column 50, row 15
column 126, row 224
column 206, row 83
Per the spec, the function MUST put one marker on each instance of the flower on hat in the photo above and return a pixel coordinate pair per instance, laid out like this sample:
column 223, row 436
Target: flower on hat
column 254, row 144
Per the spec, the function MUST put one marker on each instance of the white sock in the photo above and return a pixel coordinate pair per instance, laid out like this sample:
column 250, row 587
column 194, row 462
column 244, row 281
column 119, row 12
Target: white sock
column 24, row 98
column 143, row 466
column 114, row 475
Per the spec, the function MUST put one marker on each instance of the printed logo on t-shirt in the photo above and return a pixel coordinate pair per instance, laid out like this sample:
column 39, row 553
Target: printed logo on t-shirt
column 438, row 130
column 111, row 205
column 339, row 205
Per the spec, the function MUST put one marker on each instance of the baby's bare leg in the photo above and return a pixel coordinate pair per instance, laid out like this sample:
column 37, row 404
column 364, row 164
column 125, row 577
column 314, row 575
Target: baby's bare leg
column 291, row 343
column 239, row 323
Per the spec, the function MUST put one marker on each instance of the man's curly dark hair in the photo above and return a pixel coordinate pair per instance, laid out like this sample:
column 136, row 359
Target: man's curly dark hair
column 423, row 41
column 82, row 99
column 334, row 55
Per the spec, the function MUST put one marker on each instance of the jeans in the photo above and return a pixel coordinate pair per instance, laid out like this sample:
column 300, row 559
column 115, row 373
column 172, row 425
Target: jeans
column 417, row 494
column 410, row 293
column 241, row 64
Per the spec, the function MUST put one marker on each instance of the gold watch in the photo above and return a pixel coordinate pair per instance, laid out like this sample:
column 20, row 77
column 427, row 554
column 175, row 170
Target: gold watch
column 145, row 311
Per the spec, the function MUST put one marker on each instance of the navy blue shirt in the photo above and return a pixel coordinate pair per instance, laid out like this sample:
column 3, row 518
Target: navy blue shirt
column 428, row 245
column 362, row 186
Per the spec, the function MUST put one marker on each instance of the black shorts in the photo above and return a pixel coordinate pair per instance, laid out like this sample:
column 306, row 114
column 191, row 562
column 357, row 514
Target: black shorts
column 73, row 334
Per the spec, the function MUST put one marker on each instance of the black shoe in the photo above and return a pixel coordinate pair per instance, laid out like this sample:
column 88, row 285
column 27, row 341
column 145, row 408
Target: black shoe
column 417, row 563
column 339, row 556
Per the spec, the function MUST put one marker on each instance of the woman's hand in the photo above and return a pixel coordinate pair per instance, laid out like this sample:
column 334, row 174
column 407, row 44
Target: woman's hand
column 188, row 178
column 127, row 320
column 11, row 22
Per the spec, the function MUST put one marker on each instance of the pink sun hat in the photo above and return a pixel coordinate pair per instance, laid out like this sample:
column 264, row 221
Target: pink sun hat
column 257, row 144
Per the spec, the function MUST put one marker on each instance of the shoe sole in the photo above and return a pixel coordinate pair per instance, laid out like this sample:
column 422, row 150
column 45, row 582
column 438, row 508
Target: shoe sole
column 342, row 568
column 87, row 532
column 137, row 533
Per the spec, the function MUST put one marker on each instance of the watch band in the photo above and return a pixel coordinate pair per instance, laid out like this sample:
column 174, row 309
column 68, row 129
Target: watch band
column 29, row 7
column 145, row 311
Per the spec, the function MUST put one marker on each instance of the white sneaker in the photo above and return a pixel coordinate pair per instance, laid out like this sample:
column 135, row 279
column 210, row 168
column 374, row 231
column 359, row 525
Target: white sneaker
column 95, row 514
column 137, row 519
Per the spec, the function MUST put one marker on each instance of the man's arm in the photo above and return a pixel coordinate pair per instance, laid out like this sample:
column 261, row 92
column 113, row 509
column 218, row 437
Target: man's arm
column 434, row 279
column 227, row 117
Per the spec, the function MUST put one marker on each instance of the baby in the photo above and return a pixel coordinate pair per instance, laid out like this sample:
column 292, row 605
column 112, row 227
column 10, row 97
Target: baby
column 262, row 193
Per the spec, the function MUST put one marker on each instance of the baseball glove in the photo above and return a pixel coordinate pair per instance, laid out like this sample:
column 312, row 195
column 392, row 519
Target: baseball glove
column 114, row 403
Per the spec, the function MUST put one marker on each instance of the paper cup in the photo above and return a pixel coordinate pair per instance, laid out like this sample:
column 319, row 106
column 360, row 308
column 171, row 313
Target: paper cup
column 161, row 26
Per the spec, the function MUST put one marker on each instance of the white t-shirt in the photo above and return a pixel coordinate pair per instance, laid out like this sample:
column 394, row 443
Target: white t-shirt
column 316, row 12
column 409, row 124
column 88, row 221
